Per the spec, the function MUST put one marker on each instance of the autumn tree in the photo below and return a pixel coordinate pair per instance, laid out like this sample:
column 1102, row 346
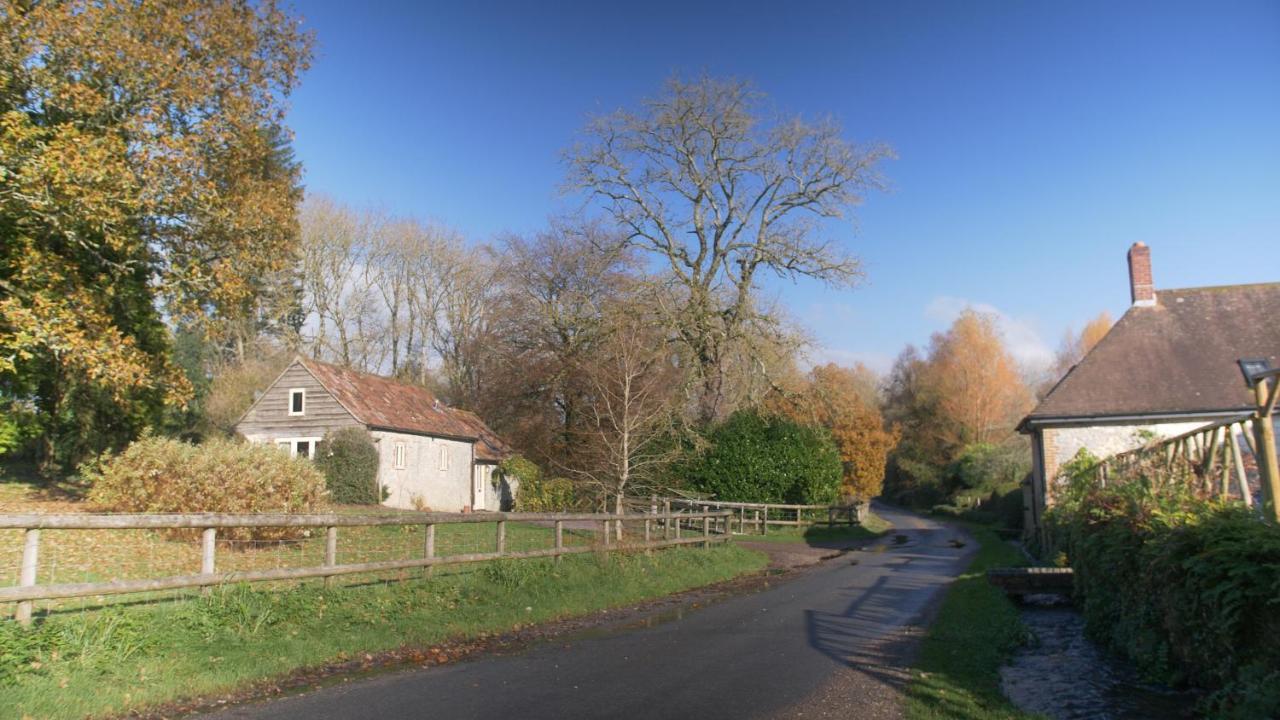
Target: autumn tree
column 979, row 393
column 843, row 400
column 720, row 191
column 139, row 158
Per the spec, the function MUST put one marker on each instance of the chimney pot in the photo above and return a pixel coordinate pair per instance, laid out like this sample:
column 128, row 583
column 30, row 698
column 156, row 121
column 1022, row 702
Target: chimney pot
column 1141, row 290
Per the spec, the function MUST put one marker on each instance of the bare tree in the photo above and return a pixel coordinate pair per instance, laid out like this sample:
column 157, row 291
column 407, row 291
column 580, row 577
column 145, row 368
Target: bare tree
column 337, row 244
column 630, row 379
column 718, row 189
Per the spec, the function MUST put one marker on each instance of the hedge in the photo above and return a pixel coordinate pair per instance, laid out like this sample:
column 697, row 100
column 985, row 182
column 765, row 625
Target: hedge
column 161, row 475
column 1187, row 588
column 758, row 458
column 349, row 460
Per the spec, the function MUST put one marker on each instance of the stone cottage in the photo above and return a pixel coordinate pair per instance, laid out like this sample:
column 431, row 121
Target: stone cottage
column 1167, row 367
column 430, row 455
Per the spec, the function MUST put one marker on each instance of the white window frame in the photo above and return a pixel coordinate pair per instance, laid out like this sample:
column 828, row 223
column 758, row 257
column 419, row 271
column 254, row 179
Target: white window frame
column 302, row 392
column 444, row 458
column 292, row 443
column 398, row 459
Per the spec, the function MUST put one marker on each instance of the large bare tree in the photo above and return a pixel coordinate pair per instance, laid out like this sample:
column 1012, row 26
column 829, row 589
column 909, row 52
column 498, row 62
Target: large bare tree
column 719, row 188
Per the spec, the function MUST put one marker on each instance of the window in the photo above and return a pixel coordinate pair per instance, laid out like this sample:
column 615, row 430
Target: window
column 298, row 447
column 444, row 458
column 399, row 456
column 297, row 401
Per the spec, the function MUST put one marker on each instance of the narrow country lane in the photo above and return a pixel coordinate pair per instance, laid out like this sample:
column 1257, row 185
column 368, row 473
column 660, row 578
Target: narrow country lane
column 830, row 643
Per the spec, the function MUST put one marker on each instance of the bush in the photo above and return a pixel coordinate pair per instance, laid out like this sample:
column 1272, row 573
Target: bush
column 755, row 458
column 1185, row 587
column 349, row 460
column 536, row 493
column 160, row 475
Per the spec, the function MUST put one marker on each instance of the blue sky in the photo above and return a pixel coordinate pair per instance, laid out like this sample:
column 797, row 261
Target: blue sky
column 1036, row 140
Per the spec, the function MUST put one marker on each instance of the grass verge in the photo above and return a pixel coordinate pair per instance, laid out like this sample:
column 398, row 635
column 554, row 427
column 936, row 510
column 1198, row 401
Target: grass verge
column 120, row 659
column 871, row 528
column 957, row 674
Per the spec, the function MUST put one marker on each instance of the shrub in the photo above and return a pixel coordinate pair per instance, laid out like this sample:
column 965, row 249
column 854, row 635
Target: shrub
column 161, row 475
column 1184, row 586
column 537, row 493
column 756, row 458
column 349, row 460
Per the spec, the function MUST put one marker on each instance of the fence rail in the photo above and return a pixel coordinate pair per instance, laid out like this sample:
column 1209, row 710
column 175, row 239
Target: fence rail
column 1212, row 456
column 672, row 528
column 762, row 515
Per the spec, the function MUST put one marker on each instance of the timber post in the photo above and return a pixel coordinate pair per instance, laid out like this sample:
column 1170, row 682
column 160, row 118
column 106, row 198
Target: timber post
column 1265, row 444
column 502, row 536
column 559, row 540
column 706, row 531
column 27, row 576
column 208, row 547
column 330, row 551
column 429, row 546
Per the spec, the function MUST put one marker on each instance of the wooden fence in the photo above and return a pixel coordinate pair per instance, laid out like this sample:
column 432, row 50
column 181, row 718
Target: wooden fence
column 759, row 516
column 658, row 530
column 1213, row 457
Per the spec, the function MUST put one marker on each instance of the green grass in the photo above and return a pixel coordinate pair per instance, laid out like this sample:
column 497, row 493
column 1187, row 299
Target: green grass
column 119, row 659
column 873, row 527
column 977, row 628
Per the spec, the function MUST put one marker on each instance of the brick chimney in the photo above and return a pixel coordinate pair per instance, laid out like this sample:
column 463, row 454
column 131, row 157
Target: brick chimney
column 1141, row 291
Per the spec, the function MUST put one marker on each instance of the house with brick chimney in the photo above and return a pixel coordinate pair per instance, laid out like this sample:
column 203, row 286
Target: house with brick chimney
column 1167, row 367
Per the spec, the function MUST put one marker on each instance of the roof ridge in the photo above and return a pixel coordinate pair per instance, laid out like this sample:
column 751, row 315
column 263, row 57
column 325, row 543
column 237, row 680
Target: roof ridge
column 1233, row 286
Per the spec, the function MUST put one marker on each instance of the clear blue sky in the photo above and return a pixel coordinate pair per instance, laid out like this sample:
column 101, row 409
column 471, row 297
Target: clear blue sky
column 1037, row 140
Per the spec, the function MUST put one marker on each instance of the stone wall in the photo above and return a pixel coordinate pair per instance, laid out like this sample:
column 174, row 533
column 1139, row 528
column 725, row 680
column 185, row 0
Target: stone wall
column 422, row 483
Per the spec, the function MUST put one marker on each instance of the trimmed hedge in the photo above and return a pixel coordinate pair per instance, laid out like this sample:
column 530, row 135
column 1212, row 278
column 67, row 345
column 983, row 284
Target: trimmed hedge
column 1189, row 589
column 758, row 458
column 161, row 475
column 349, row 460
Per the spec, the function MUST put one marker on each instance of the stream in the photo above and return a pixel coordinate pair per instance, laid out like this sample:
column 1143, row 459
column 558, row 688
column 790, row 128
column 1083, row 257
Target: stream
column 1062, row 675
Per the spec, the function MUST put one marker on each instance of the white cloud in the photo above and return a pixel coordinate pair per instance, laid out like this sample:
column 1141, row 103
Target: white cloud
column 1020, row 334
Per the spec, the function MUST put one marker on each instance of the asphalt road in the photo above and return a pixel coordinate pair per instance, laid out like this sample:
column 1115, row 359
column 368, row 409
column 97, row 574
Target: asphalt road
column 833, row 642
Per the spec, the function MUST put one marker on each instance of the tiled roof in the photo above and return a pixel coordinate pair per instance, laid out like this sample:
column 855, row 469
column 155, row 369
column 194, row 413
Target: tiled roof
column 489, row 447
column 392, row 405
column 1176, row 357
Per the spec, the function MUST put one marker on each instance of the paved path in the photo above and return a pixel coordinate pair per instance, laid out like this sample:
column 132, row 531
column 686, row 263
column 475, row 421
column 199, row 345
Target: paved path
column 831, row 643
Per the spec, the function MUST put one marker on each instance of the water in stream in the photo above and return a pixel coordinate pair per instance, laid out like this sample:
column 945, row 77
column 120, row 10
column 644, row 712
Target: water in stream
column 1064, row 676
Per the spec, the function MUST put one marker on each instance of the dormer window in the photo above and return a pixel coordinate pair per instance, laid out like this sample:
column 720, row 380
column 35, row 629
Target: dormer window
column 297, row 401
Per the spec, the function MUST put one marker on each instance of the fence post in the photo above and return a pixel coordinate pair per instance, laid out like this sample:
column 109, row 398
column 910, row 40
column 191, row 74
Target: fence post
column 502, row 536
column 559, row 539
column 757, row 521
column 27, row 576
column 604, row 524
column 706, row 531
column 429, row 551
column 647, row 549
column 330, row 551
column 208, row 546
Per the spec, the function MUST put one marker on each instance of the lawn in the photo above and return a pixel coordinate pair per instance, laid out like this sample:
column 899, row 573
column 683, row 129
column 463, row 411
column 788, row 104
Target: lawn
column 872, row 528
column 957, row 671
column 119, row 659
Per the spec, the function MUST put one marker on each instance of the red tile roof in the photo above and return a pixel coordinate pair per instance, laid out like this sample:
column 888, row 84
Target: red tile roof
column 489, row 447
column 1177, row 357
column 387, row 404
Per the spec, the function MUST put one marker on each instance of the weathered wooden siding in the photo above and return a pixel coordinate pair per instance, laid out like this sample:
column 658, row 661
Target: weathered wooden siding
column 270, row 420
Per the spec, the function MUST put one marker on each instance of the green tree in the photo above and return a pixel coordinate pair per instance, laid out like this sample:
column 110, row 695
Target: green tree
column 141, row 178
column 753, row 457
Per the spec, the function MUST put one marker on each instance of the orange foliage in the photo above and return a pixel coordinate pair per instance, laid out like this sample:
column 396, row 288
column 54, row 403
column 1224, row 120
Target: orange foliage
column 843, row 401
column 979, row 392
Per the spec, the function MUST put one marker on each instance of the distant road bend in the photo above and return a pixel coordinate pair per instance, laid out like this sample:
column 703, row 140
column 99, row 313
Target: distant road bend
column 833, row 642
